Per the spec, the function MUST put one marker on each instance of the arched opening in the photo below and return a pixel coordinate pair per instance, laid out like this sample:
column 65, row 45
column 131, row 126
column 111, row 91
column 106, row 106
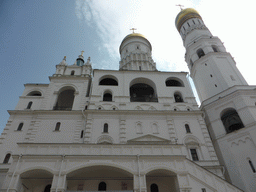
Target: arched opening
column 7, row 158
column 47, row 188
column 79, row 62
column 20, row 126
column 35, row 93
column 107, row 97
column 57, row 127
column 72, row 72
column 95, row 177
column 161, row 180
column 194, row 154
column 102, row 186
column 154, row 188
column 178, row 97
column 108, row 81
column 174, row 83
column 65, row 99
column 215, row 48
column 29, row 105
column 200, row 53
column 141, row 92
column 105, row 128
column 187, row 128
column 231, row 121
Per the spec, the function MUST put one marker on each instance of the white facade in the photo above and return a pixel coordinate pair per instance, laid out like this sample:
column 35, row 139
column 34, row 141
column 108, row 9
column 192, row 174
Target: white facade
column 135, row 129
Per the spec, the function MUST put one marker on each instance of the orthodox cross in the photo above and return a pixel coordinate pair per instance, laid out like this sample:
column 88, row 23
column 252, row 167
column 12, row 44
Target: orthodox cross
column 180, row 6
column 133, row 29
column 82, row 52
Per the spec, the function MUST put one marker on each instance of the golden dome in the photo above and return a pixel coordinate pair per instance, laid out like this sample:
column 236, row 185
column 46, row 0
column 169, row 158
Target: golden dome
column 185, row 15
column 134, row 35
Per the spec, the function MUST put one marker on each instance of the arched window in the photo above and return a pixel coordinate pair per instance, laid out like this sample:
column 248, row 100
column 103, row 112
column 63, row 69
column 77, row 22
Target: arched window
column 105, row 128
column 194, row 155
column 7, row 158
column 57, row 127
column 178, row 98
column 231, row 121
column 215, row 48
column 187, row 128
column 102, row 186
column 35, row 93
column 65, row 100
column 142, row 92
column 82, row 134
column 173, row 83
column 107, row 97
column 200, row 53
column 108, row 81
column 47, row 188
column 72, row 72
column 29, row 105
column 252, row 166
column 154, row 188
column 20, row 127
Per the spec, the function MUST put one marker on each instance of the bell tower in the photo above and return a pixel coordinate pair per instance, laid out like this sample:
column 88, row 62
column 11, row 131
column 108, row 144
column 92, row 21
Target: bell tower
column 228, row 101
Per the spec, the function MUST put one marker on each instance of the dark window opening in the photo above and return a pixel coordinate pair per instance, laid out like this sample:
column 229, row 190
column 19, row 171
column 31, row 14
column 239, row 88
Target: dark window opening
column 188, row 24
column 7, row 158
column 107, row 97
column 140, row 68
column 200, row 53
column 35, row 93
column 215, row 49
column 210, row 75
column 231, row 121
column 108, row 81
column 72, row 73
column 47, row 188
column 173, row 83
column 79, row 62
column 86, row 107
column 141, row 92
column 184, row 28
column 65, row 100
column 252, row 166
column 20, row 127
column 82, row 134
column 57, row 127
column 194, row 22
column 215, row 85
column 102, row 186
column 178, row 98
column 187, row 128
column 194, row 155
column 203, row 190
column 105, row 128
column 29, row 105
column 154, row 188
column 191, row 63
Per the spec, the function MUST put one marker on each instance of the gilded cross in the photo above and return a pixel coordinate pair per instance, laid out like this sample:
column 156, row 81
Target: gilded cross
column 82, row 52
column 133, row 29
column 180, row 6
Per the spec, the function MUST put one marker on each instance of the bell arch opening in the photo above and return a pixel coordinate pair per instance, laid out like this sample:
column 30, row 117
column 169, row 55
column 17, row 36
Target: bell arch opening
column 65, row 99
column 174, row 82
column 231, row 120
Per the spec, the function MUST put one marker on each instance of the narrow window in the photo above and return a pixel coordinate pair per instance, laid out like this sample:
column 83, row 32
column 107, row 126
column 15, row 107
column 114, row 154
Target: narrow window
column 57, row 127
column 188, row 24
column 191, row 63
column 82, row 134
column 184, row 28
column 85, row 108
column 203, row 190
column 194, row 22
column 154, row 188
column 7, row 158
column 20, row 127
column 178, row 98
column 252, row 166
column 102, row 186
column 187, row 128
column 194, row 154
column 105, row 128
column 215, row 49
column 107, row 97
column 210, row 75
column 29, row 105
column 216, row 85
column 200, row 53
column 140, row 68
column 72, row 72
column 199, row 21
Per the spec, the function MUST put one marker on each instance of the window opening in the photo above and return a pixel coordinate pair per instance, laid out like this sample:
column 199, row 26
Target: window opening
column 108, row 81
column 20, row 127
column 141, row 92
column 191, row 63
column 194, row 154
column 194, row 22
column 47, row 188
column 72, row 72
column 105, row 128
column 188, row 24
column 187, row 128
column 57, row 127
column 231, row 121
column 215, row 49
column 200, row 53
column 216, row 85
column 178, row 98
column 252, row 166
column 107, row 97
column 35, row 93
column 140, row 68
column 154, row 188
column 102, row 186
column 210, row 75
column 65, row 100
column 82, row 134
column 29, row 105
column 7, row 158
column 184, row 28
column 173, row 83
column 203, row 190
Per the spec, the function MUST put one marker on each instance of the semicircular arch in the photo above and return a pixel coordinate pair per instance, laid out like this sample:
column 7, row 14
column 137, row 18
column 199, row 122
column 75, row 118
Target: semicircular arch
column 154, row 168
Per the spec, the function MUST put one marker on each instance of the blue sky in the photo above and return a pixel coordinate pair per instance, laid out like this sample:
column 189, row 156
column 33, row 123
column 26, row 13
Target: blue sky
column 36, row 35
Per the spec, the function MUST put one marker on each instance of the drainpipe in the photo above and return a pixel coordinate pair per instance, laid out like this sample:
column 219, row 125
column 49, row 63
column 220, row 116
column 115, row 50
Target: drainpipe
column 138, row 160
column 14, row 173
column 63, row 156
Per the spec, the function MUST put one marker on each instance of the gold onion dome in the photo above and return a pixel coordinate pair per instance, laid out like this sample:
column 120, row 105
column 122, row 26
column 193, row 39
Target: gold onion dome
column 134, row 35
column 185, row 15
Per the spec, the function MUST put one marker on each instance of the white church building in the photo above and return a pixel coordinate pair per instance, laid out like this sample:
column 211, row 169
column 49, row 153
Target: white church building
column 136, row 129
